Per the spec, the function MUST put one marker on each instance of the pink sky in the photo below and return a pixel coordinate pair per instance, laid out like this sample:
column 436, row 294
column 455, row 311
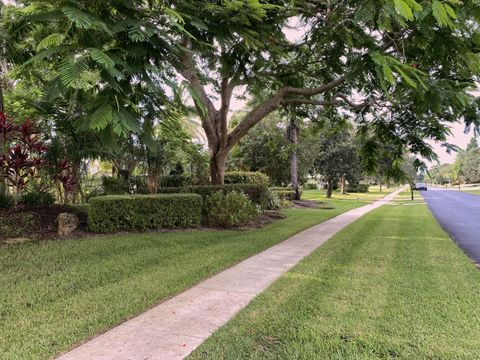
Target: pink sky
column 458, row 138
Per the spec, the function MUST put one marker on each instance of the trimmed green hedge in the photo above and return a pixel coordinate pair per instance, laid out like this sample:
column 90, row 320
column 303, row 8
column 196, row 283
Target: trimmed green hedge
column 359, row 188
column 140, row 212
column 256, row 193
column 246, row 177
column 231, row 209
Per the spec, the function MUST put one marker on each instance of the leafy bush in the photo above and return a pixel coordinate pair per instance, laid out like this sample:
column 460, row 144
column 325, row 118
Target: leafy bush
column 256, row 193
column 358, row 188
column 36, row 198
column 285, row 193
column 6, row 201
column 230, row 209
column 273, row 201
column 114, row 186
column 17, row 224
column 140, row 212
column 246, row 177
column 174, row 180
column 310, row 186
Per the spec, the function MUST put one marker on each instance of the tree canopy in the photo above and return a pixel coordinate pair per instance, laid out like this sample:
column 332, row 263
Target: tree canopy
column 402, row 69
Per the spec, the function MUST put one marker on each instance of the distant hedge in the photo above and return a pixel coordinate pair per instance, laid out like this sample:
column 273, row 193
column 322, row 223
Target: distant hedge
column 246, row 177
column 359, row 188
column 140, row 212
column 310, row 186
column 285, row 193
column 256, row 193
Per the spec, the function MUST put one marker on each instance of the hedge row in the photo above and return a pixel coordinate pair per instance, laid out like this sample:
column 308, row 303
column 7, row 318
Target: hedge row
column 256, row 193
column 359, row 188
column 140, row 212
column 246, row 177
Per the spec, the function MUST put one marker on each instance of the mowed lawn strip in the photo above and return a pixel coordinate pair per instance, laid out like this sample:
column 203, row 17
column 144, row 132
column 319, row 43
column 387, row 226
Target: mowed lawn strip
column 372, row 195
column 55, row 294
column 390, row 286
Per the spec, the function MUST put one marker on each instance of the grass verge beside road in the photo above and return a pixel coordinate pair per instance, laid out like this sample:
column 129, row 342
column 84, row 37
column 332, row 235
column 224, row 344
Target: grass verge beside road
column 55, row 294
column 391, row 285
column 372, row 195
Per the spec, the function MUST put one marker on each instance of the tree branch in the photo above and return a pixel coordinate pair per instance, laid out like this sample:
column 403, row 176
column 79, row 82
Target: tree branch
column 254, row 117
column 189, row 71
column 336, row 100
column 316, row 90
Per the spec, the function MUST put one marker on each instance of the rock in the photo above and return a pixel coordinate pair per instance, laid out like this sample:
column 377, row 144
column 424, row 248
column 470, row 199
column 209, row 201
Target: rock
column 67, row 223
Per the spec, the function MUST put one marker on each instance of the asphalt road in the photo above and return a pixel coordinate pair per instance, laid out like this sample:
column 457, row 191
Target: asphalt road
column 459, row 215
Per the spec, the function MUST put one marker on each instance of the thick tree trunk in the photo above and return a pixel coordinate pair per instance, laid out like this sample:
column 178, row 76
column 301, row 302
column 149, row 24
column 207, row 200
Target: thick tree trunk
column 152, row 182
column 218, row 163
column 329, row 189
column 342, row 185
column 293, row 138
column 381, row 184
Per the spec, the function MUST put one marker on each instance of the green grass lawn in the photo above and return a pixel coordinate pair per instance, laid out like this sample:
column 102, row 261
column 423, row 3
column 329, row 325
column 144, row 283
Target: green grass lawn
column 390, row 286
column 55, row 294
column 475, row 192
column 373, row 194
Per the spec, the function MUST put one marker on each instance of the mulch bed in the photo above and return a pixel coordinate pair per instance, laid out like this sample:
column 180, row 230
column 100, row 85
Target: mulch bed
column 311, row 204
column 35, row 222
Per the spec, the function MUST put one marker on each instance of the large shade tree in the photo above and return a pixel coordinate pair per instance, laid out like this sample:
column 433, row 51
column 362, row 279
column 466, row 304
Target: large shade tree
column 403, row 68
column 412, row 61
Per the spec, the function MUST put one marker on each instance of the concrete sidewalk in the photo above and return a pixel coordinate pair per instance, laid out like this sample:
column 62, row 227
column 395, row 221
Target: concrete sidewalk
column 173, row 329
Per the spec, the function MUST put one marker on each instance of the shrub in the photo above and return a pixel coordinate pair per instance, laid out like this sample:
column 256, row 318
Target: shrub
column 6, row 201
column 114, row 186
column 273, row 201
column 36, row 198
column 174, row 180
column 310, row 186
column 285, row 193
column 18, row 224
column 358, row 188
column 256, row 193
column 246, row 177
column 140, row 212
column 230, row 209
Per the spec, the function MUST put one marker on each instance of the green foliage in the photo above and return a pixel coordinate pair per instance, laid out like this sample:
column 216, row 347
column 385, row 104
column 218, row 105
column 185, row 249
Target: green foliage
column 273, row 201
column 14, row 224
column 358, row 188
column 175, row 180
column 256, row 193
column 285, row 193
column 337, row 158
column 35, row 198
column 465, row 169
column 310, row 186
column 231, row 209
column 141, row 212
column 267, row 150
column 6, row 201
column 114, row 186
column 247, row 177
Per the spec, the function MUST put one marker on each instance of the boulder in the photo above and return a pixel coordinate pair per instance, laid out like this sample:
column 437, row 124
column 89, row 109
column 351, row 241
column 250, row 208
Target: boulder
column 67, row 223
